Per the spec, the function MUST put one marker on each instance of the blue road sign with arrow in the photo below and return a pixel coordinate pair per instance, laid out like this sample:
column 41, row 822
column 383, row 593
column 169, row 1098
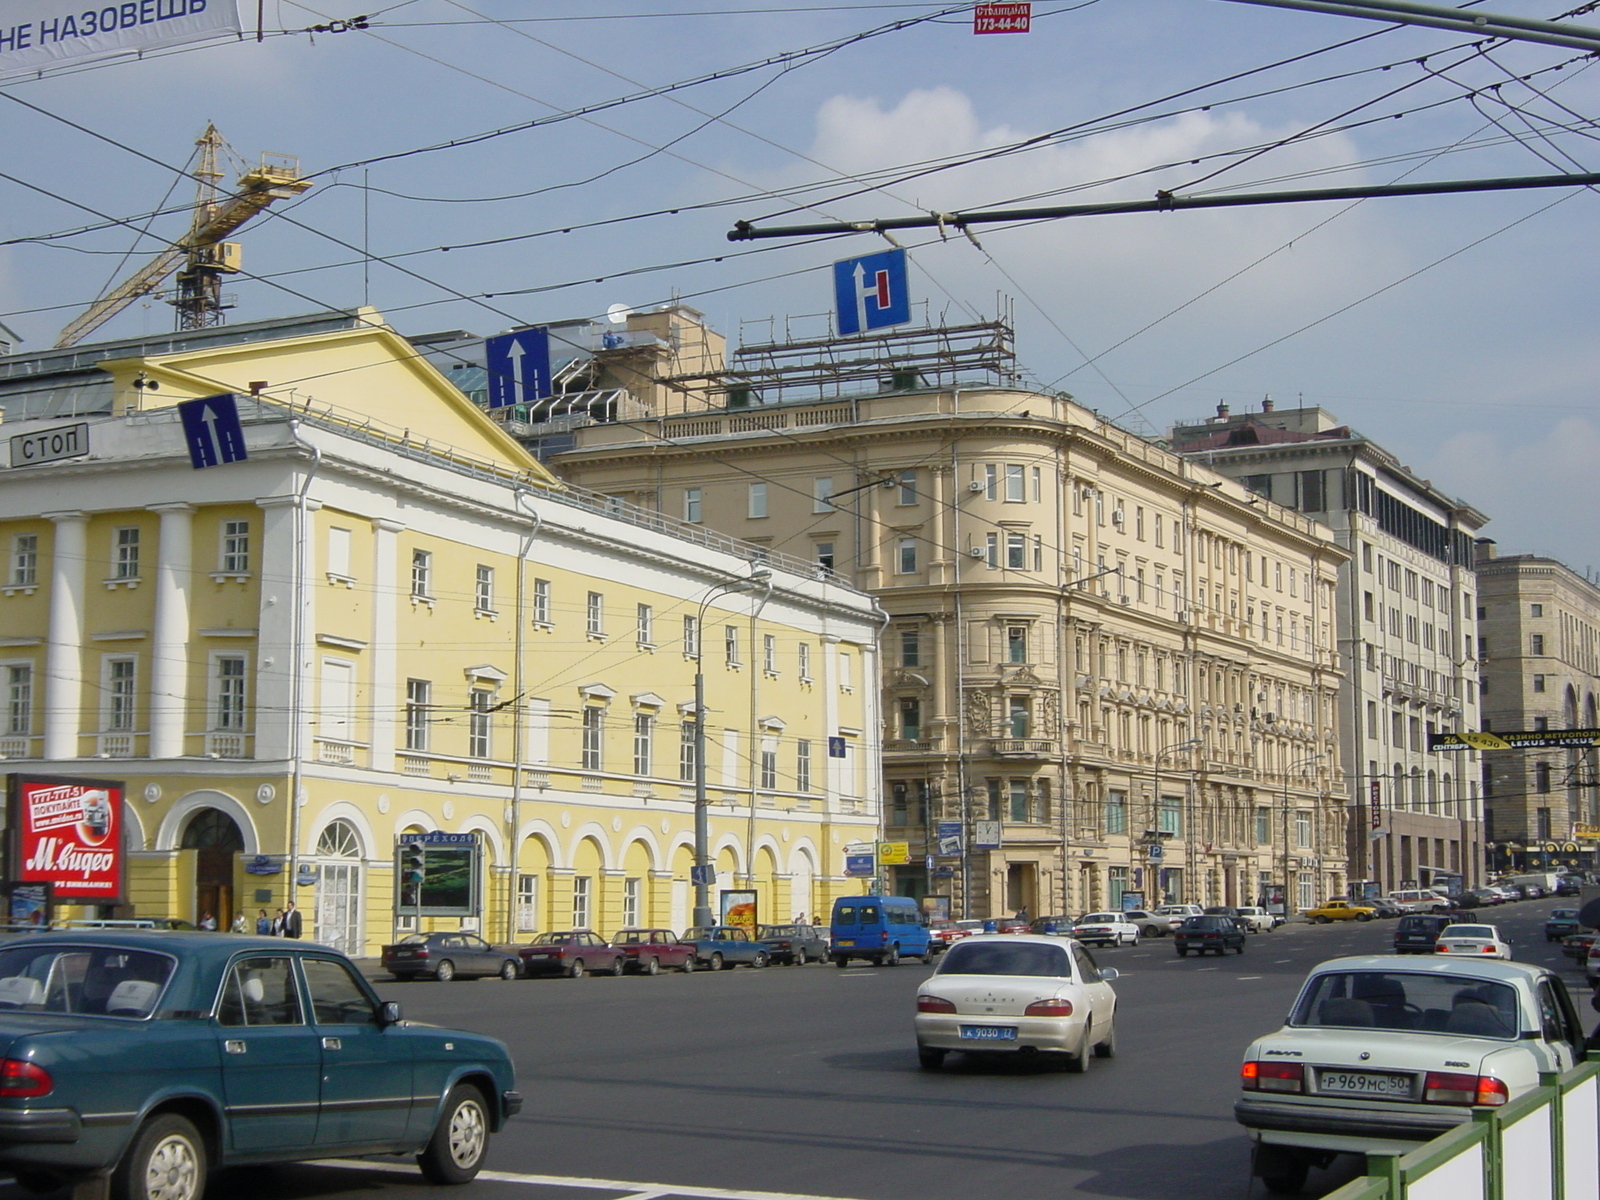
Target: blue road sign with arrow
column 872, row 292
column 212, row 428
column 518, row 365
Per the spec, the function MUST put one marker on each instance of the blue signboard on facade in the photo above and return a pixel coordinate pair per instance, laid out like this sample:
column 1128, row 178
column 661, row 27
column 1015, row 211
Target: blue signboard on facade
column 871, row 292
column 861, row 865
column 950, row 837
column 518, row 365
column 211, row 427
column 836, row 747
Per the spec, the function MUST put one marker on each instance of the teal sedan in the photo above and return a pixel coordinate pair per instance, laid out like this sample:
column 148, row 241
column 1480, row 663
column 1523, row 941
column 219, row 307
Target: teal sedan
column 156, row 1058
column 720, row 946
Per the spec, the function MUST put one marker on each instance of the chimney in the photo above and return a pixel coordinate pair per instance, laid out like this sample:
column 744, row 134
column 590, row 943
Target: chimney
column 1266, row 404
column 1222, row 411
column 1486, row 549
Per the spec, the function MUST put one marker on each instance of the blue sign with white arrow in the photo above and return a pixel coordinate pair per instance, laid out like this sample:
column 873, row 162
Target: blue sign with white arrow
column 518, row 364
column 872, row 292
column 212, row 428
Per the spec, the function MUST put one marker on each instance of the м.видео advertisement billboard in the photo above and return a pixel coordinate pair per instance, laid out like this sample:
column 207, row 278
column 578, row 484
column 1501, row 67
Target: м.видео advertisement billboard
column 68, row 833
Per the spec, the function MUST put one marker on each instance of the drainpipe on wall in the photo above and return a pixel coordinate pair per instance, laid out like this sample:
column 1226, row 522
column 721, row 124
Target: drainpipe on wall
column 299, row 583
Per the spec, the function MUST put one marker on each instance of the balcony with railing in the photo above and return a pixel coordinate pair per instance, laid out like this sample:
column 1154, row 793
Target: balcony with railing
column 1023, row 748
column 226, row 744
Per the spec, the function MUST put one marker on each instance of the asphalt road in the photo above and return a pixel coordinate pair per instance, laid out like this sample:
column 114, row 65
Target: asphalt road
column 804, row 1081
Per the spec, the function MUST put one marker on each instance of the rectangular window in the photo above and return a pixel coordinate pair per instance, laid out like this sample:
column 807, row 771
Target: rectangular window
column 19, row 699
column 125, row 554
column 691, row 637
column 1015, row 492
column 822, row 494
column 757, row 507
column 846, row 680
column 1138, row 521
column 1018, row 716
column 419, row 696
column 1016, row 643
column 230, row 683
column 1017, row 801
column 632, row 890
column 25, row 560
column 907, row 558
column 802, row 765
column 1169, row 817
column 541, row 602
column 580, row 901
column 1038, row 485
column 339, row 552
column 1541, row 777
column 910, row 648
column 991, row 481
column 1538, row 683
column 825, row 557
column 644, row 625
column 691, row 505
column 483, row 589
column 1263, row 826
column 1159, row 534
column 1536, row 644
column 235, row 556
column 121, row 696
column 686, row 749
column 1536, row 610
column 1016, row 552
column 643, row 735
column 804, row 663
column 769, row 653
column 991, row 551
column 421, row 574
column 908, row 487
column 481, row 701
column 1302, row 830
column 594, row 729
column 1116, row 812
column 910, row 718
column 730, row 645
column 595, row 615
column 528, row 904
column 769, row 766
column 1311, row 491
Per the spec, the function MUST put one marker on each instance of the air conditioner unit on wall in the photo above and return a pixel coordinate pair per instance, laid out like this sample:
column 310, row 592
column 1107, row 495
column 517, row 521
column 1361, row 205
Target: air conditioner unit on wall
column 977, row 485
column 977, row 552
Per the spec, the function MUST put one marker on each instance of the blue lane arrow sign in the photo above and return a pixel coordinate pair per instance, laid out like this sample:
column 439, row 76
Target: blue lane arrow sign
column 871, row 292
column 212, row 428
column 518, row 365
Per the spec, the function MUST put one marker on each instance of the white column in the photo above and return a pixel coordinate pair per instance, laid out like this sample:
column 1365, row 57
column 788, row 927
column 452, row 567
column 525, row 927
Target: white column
column 169, row 650
column 384, row 651
column 834, row 775
column 63, row 663
column 285, row 576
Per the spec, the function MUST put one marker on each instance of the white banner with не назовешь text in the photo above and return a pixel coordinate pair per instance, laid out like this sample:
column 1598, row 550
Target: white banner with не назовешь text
column 38, row 34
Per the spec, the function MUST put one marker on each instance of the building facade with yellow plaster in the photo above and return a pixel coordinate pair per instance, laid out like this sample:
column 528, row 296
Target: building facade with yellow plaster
column 389, row 619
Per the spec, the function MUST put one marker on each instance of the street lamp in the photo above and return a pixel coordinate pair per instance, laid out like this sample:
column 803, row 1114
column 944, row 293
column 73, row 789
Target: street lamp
column 760, row 579
column 1155, row 809
column 1288, row 770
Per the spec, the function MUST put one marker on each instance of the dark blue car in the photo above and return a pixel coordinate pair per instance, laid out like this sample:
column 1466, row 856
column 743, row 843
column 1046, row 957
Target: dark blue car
column 159, row 1057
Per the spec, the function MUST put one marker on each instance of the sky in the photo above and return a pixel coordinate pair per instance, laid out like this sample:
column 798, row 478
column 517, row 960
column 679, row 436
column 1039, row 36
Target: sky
column 1454, row 330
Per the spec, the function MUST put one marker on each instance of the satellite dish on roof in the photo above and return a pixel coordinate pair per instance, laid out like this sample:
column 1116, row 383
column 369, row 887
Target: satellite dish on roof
column 617, row 314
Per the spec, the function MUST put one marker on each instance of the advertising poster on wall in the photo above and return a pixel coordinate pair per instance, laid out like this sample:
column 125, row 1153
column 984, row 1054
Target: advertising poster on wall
column 27, row 905
column 66, row 832
column 739, row 910
column 936, row 908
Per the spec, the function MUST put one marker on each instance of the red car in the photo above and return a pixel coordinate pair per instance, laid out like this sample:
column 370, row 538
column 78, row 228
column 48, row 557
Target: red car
column 573, row 952
column 651, row 951
column 944, row 934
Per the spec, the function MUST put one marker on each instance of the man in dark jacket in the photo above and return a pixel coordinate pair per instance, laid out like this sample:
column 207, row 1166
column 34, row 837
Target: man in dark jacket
column 291, row 921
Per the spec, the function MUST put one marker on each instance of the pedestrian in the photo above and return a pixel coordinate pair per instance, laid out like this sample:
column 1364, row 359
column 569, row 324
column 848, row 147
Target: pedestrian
column 291, row 921
column 277, row 924
column 207, row 921
column 263, row 924
column 241, row 923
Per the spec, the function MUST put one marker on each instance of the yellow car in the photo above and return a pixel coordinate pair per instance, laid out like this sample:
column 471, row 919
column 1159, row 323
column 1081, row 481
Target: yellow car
column 1339, row 910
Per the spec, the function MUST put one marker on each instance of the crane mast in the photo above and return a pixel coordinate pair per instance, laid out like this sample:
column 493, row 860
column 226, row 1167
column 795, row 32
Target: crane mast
column 200, row 257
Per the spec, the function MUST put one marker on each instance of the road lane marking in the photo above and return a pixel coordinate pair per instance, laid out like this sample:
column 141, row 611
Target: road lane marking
column 1281, row 961
column 1208, row 968
column 634, row 1190
column 1244, row 977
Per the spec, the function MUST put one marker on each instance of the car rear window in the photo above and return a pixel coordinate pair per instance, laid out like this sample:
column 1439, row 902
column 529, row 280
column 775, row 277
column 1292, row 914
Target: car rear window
column 851, row 915
column 1415, row 922
column 97, row 981
column 1420, row 1003
column 999, row 958
column 413, row 939
column 1099, row 918
column 1468, row 931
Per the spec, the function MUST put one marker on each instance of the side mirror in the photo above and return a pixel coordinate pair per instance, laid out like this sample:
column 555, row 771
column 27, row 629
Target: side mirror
column 1107, row 974
column 389, row 1013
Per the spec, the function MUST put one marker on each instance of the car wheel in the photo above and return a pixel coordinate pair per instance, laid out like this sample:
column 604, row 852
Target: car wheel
column 1183, row 951
column 891, row 959
column 619, row 964
column 445, row 971
column 1363, row 916
column 841, row 963
column 1241, row 946
column 575, row 971
column 460, row 1139
column 1079, row 1062
column 716, row 962
column 1281, row 1170
column 167, row 1161
column 930, row 1059
column 653, row 967
column 759, row 961
column 508, row 970
column 689, row 965
column 1107, row 1046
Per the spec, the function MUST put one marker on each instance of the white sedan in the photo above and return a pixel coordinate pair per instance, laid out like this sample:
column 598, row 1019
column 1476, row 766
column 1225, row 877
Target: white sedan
column 1106, row 929
column 1017, row 993
column 1476, row 941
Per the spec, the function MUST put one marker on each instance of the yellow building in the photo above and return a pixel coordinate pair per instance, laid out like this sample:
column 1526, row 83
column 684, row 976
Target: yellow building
column 389, row 619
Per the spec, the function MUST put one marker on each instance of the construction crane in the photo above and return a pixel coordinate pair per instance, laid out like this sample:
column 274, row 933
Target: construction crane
column 200, row 257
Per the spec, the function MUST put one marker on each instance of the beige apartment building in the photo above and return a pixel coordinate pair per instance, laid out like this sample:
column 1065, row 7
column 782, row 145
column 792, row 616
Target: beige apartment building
column 1109, row 674
column 1539, row 639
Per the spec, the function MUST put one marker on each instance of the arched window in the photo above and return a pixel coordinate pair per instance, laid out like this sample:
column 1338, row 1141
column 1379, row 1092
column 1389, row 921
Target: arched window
column 339, row 840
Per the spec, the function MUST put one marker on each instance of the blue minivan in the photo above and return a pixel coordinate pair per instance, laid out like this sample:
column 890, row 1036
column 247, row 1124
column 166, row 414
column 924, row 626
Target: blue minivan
column 878, row 928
